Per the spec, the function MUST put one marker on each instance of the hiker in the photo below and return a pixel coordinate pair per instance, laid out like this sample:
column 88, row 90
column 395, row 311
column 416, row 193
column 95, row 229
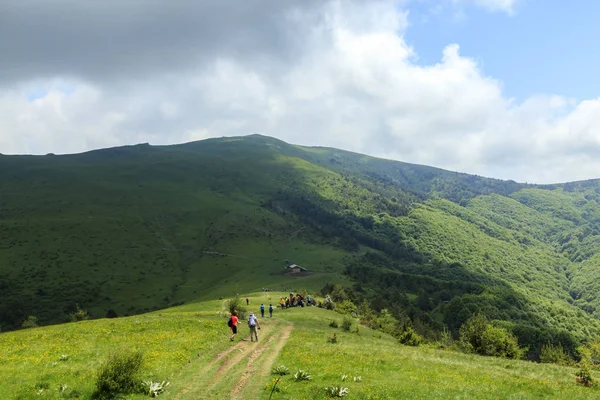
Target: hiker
column 247, row 301
column 270, row 310
column 253, row 325
column 232, row 323
column 262, row 310
column 308, row 299
column 282, row 303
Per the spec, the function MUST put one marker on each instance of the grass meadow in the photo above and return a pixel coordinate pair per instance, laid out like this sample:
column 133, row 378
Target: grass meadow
column 181, row 341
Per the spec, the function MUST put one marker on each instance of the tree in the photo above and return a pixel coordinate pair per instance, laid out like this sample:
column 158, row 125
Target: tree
column 424, row 302
column 30, row 322
column 477, row 335
column 79, row 315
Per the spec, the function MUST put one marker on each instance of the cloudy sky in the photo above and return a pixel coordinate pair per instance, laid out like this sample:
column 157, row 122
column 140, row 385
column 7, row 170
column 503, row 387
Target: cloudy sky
column 499, row 88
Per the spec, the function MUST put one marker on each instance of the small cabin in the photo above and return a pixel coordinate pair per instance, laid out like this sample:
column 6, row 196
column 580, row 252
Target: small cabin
column 294, row 269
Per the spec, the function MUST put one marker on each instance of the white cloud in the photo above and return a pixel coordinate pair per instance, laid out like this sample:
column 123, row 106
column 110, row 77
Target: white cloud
column 352, row 83
column 507, row 6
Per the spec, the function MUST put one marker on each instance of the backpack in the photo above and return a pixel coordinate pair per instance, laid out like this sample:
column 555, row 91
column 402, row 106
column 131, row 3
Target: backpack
column 252, row 321
column 230, row 322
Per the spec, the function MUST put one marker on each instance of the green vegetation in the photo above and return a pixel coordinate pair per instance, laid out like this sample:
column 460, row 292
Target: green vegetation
column 415, row 251
column 119, row 375
column 477, row 335
column 187, row 350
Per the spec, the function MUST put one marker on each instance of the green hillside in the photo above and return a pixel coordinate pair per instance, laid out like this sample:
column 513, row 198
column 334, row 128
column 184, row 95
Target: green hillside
column 189, row 347
column 140, row 228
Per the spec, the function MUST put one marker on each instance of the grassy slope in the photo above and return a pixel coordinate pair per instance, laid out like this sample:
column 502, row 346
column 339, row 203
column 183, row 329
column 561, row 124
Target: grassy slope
column 132, row 228
column 130, row 231
column 180, row 342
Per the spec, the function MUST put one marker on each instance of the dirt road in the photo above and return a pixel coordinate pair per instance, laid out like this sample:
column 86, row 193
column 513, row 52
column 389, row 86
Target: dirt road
column 240, row 371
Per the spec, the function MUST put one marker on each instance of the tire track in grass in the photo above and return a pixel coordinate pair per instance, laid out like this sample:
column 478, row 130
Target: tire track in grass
column 217, row 371
column 263, row 366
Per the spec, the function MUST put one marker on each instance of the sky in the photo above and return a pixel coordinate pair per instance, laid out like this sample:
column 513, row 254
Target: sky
column 498, row 88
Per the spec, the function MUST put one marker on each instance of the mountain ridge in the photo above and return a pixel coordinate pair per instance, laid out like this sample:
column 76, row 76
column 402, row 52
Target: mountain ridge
column 136, row 228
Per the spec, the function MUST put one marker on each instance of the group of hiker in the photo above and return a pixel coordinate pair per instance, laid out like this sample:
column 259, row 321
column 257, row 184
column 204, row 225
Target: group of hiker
column 253, row 323
column 295, row 300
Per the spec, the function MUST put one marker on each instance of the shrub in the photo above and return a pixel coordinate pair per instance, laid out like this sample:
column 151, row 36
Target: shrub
column 346, row 324
column 30, row 322
column 276, row 386
column 584, row 375
column 333, row 324
column 408, row 336
column 554, row 354
column 336, row 391
column 42, row 385
column 446, row 341
column 590, row 354
column 119, row 374
column 477, row 335
column 153, row 389
column 332, row 339
column 328, row 303
column 235, row 305
column 281, row 370
column 79, row 314
column 345, row 307
column 302, row 375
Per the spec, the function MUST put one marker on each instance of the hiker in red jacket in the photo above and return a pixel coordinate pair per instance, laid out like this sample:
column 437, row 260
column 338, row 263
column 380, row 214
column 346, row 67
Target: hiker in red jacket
column 233, row 324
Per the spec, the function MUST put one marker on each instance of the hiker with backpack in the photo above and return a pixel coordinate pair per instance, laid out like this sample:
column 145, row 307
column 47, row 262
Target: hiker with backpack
column 232, row 323
column 262, row 310
column 253, row 325
column 270, row 310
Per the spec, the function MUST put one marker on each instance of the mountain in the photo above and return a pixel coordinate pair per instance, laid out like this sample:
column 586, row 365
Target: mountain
column 138, row 228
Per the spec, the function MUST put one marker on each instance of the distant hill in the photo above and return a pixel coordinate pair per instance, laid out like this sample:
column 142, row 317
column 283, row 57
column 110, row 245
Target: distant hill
column 138, row 228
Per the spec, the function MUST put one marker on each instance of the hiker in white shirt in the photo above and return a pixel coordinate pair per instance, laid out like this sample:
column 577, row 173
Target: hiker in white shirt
column 253, row 325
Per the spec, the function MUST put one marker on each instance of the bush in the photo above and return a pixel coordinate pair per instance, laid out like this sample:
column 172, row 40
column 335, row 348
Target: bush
column 554, row 354
column 345, row 307
column 30, row 322
column 153, row 389
column 281, row 370
column 346, row 324
column 477, row 335
column 584, row 376
column 408, row 336
column 336, row 391
column 333, row 324
column 302, row 375
column 446, row 341
column 332, row 339
column 327, row 303
column 119, row 374
column 590, row 354
column 79, row 314
column 236, row 305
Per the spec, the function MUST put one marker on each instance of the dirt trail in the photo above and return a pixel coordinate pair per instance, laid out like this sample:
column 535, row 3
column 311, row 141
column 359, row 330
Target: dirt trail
column 265, row 364
column 222, row 377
